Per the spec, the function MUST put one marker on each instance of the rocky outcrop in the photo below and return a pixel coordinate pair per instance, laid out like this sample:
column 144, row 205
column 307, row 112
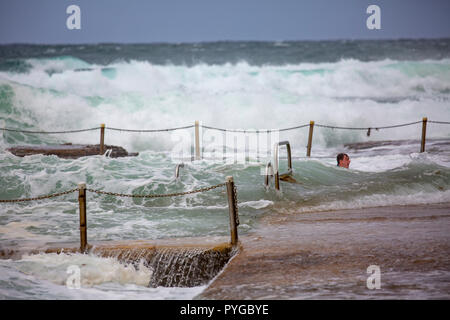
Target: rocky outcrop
column 70, row 151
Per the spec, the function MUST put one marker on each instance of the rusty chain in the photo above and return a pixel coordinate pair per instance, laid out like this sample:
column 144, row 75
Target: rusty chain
column 221, row 129
column 439, row 122
column 49, row 132
column 122, row 194
column 151, row 130
column 41, row 197
column 257, row 131
column 156, row 195
column 366, row 128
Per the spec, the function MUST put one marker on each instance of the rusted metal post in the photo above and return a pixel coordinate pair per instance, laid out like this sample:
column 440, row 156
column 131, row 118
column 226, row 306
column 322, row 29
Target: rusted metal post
column 232, row 207
column 276, row 148
column 197, row 141
column 177, row 170
column 269, row 173
column 102, row 138
column 424, row 133
column 83, row 226
column 277, row 180
column 276, row 173
column 311, row 129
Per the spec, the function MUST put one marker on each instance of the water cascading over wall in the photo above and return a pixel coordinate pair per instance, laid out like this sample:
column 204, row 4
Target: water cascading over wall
column 174, row 266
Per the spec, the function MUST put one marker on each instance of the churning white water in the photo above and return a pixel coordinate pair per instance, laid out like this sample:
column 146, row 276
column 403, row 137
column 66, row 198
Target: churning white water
column 69, row 92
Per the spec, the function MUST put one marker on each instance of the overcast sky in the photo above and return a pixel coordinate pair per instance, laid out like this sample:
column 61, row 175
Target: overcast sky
column 143, row 21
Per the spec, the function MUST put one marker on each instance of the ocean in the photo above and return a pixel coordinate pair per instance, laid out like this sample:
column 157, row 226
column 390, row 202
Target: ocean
column 241, row 86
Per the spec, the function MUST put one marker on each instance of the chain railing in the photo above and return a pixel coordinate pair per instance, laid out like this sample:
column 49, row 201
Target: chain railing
column 367, row 128
column 229, row 184
column 197, row 126
column 49, row 132
column 439, row 122
column 40, row 197
column 156, row 195
column 232, row 193
column 151, row 130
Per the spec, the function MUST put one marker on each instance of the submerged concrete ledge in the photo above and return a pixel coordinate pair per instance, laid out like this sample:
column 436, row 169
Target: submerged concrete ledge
column 325, row 255
column 70, row 151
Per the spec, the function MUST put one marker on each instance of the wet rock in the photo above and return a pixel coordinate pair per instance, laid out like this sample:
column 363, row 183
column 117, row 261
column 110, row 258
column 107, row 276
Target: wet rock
column 70, row 151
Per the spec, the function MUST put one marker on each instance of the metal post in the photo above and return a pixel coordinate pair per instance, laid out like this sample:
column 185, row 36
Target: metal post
column 311, row 128
column 197, row 141
column 177, row 170
column 269, row 173
column 102, row 138
column 83, row 226
column 275, row 166
column 289, row 155
column 424, row 132
column 224, row 146
column 257, row 145
column 232, row 207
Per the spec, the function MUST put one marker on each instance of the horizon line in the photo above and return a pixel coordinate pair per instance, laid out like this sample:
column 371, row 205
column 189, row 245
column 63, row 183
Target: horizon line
column 221, row 41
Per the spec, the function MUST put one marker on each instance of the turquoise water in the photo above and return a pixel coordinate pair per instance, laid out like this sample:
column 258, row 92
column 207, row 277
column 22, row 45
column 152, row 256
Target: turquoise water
column 227, row 85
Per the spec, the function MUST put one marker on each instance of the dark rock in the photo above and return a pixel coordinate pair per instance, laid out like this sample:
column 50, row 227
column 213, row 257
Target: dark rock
column 70, row 151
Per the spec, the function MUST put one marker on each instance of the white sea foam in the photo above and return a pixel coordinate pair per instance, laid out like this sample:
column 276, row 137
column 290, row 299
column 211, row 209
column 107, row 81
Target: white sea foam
column 146, row 96
column 56, row 95
column 379, row 200
column 45, row 277
column 94, row 270
column 259, row 204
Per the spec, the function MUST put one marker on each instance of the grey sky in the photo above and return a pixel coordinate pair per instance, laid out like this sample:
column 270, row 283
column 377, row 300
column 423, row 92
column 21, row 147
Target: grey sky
column 133, row 21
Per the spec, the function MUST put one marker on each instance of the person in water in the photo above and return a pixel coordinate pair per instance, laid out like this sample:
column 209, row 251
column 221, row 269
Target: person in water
column 343, row 160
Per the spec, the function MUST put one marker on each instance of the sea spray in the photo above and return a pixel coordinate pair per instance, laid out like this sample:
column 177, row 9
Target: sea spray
column 226, row 85
column 173, row 266
column 146, row 96
column 94, row 270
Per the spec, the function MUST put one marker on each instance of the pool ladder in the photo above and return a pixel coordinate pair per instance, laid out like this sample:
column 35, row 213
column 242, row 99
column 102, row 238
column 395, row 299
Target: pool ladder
column 177, row 170
column 272, row 169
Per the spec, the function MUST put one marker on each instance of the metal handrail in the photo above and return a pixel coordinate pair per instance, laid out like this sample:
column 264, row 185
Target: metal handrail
column 275, row 166
column 177, row 170
column 266, row 179
column 289, row 155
